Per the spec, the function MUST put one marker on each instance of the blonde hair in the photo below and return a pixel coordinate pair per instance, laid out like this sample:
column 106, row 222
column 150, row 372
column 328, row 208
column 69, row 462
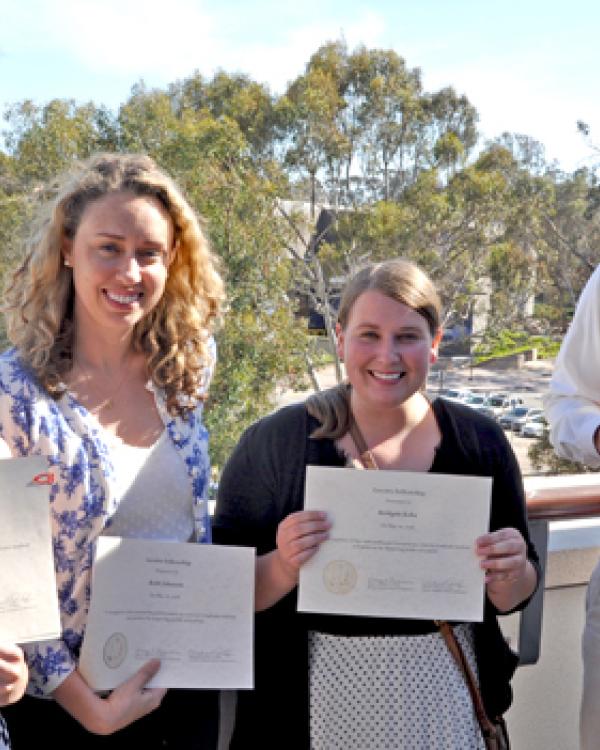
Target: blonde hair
column 402, row 281
column 174, row 336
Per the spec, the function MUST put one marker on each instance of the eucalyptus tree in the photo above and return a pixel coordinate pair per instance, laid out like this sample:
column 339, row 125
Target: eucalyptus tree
column 236, row 97
column 394, row 167
column 556, row 219
column 572, row 232
column 313, row 142
column 360, row 126
column 390, row 114
column 147, row 120
column 44, row 139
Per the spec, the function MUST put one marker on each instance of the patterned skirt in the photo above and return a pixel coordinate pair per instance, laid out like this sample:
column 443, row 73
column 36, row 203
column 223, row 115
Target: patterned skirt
column 388, row 692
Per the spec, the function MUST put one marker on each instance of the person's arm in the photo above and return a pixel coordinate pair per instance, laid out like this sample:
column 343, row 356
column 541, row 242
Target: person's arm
column 506, row 552
column 572, row 403
column 128, row 702
column 257, row 503
column 589, row 719
column 298, row 538
column 13, row 674
column 53, row 673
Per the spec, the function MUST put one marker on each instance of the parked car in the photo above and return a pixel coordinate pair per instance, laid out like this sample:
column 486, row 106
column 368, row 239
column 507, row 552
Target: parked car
column 499, row 403
column 518, row 423
column 459, row 395
column 476, row 399
column 509, row 419
column 480, row 402
column 536, row 427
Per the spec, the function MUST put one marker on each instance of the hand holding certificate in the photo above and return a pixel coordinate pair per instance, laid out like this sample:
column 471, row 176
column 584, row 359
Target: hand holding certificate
column 28, row 599
column 189, row 605
column 401, row 544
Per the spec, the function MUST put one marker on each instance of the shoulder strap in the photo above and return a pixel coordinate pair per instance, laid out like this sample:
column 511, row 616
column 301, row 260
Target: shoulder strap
column 366, row 457
column 453, row 645
column 487, row 728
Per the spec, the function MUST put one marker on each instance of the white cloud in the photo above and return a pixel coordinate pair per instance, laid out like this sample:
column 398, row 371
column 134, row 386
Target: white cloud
column 367, row 29
column 134, row 38
column 525, row 93
column 128, row 37
column 279, row 62
column 162, row 41
column 539, row 89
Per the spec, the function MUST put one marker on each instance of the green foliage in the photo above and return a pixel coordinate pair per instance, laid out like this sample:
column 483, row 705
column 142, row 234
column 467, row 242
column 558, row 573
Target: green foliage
column 544, row 460
column 355, row 130
column 261, row 343
column 505, row 342
column 236, row 97
column 45, row 140
column 448, row 149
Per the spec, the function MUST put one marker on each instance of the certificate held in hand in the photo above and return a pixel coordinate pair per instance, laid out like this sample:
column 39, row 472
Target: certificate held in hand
column 28, row 600
column 189, row 605
column 402, row 544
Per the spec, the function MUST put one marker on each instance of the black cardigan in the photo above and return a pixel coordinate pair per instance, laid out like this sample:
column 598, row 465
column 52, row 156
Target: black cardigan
column 263, row 482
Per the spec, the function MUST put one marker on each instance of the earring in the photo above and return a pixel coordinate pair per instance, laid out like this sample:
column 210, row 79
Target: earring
column 67, row 263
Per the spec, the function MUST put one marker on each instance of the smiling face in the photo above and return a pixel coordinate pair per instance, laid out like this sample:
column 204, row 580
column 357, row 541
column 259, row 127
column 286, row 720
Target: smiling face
column 120, row 255
column 387, row 348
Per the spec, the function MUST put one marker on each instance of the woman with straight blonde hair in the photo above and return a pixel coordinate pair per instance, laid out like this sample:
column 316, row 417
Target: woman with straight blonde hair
column 110, row 314
column 333, row 681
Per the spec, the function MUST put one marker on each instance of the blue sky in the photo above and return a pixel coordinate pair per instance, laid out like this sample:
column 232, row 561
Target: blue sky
column 528, row 66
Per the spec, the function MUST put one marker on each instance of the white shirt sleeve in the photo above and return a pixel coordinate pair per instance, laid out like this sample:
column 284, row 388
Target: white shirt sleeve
column 573, row 402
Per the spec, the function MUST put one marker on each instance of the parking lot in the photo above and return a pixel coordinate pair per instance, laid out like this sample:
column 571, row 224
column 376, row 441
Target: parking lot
column 529, row 383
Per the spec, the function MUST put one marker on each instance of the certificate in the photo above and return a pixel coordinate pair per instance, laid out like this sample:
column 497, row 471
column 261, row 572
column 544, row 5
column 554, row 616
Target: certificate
column 189, row 605
column 28, row 598
column 401, row 544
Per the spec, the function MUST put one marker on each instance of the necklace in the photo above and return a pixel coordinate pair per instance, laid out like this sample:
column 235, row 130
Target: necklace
column 109, row 401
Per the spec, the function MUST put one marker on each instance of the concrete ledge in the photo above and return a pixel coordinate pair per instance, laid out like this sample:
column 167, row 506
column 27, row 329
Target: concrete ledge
column 510, row 361
column 570, row 567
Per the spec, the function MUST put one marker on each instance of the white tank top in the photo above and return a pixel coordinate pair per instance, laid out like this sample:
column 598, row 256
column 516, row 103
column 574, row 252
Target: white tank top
column 156, row 494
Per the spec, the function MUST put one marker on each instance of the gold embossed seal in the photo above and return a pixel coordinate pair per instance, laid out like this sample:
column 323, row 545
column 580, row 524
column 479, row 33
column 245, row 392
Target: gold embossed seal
column 115, row 650
column 340, row 577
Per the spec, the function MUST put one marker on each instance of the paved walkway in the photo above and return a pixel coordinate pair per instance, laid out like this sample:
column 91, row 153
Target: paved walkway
column 531, row 379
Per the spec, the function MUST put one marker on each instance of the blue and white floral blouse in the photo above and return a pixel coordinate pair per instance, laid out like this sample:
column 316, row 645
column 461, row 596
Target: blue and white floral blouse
column 4, row 739
column 83, row 496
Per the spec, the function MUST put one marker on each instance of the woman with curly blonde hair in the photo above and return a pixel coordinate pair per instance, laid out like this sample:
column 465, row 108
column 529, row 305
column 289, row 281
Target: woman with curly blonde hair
column 110, row 314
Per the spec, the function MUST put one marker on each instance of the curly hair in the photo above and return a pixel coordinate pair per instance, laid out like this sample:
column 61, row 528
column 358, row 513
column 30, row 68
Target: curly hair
column 175, row 336
column 400, row 280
